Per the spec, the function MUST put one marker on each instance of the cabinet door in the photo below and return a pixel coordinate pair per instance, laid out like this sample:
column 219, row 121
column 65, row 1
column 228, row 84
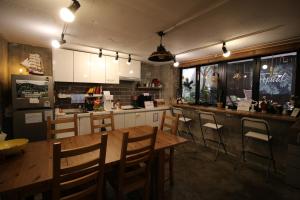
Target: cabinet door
column 153, row 118
column 119, row 121
column 84, row 126
column 112, row 70
column 135, row 69
column 140, row 118
column 129, row 120
column 82, row 65
column 62, row 65
column 132, row 71
column 124, row 69
column 97, row 69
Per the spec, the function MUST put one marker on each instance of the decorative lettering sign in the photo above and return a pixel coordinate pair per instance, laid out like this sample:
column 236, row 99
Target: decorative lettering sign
column 276, row 82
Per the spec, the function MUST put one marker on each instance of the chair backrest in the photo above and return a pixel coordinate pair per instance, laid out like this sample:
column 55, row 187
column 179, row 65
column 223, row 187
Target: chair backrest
column 169, row 122
column 207, row 116
column 53, row 130
column 81, row 180
column 100, row 121
column 175, row 110
column 136, row 157
column 257, row 124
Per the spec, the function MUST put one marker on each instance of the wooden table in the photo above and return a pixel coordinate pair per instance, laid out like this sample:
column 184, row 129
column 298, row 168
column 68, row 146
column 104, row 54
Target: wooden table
column 31, row 172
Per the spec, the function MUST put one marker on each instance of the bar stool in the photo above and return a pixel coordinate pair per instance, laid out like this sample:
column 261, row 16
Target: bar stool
column 214, row 126
column 184, row 120
column 258, row 130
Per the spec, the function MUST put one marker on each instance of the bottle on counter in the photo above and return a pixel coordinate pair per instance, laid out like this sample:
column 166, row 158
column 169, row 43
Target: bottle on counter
column 264, row 105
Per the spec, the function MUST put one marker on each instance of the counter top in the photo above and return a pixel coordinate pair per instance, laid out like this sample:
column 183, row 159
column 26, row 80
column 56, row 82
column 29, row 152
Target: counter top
column 259, row 115
column 120, row 111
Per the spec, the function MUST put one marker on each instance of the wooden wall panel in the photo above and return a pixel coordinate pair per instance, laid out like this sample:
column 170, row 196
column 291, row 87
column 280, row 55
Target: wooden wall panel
column 260, row 50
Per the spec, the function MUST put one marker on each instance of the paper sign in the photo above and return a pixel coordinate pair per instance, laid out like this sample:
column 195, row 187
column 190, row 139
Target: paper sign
column 295, row 112
column 243, row 106
column 106, row 93
column 149, row 104
column 31, row 118
column 34, row 100
column 146, row 94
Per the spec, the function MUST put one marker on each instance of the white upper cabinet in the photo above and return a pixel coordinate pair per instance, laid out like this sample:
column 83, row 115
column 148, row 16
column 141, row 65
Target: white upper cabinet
column 97, row 69
column 130, row 72
column 112, row 70
column 63, row 70
column 82, row 65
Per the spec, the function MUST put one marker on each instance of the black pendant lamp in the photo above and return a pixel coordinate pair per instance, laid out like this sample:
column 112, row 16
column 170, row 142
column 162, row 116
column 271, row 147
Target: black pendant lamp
column 161, row 54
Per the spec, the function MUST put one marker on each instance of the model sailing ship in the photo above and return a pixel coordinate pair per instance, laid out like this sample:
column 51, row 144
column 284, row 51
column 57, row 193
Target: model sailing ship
column 34, row 64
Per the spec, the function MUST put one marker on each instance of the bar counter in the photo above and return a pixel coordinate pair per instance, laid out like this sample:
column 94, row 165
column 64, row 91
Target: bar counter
column 258, row 115
column 232, row 134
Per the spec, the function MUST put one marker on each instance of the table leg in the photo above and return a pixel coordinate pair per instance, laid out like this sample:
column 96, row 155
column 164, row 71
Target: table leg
column 160, row 176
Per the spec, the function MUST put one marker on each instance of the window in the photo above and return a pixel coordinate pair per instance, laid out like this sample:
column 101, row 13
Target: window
column 209, row 77
column 277, row 77
column 189, row 84
column 239, row 78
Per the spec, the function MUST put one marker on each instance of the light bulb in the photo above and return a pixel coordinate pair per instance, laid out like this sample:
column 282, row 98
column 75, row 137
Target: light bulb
column 265, row 67
column 128, row 63
column 176, row 64
column 55, row 44
column 227, row 54
column 67, row 15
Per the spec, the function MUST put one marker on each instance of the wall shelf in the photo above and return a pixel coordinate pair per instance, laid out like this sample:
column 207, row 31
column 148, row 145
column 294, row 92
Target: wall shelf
column 149, row 88
column 65, row 96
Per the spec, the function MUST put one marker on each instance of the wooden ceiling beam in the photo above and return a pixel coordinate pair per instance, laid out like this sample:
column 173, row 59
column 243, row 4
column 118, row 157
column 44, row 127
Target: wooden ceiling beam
column 258, row 50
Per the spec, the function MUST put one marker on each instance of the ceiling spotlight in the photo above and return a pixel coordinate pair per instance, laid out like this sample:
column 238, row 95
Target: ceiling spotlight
column 100, row 53
column 265, row 67
column 56, row 44
column 68, row 14
column 161, row 54
column 117, row 57
column 226, row 53
column 129, row 60
column 176, row 63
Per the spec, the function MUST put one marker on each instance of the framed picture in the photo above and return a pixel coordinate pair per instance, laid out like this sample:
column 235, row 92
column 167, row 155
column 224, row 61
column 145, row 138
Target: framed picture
column 295, row 112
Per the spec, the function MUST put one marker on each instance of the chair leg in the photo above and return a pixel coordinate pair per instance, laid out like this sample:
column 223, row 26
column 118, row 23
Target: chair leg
column 188, row 124
column 223, row 144
column 218, row 149
column 171, row 167
column 203, row 138
column 272, row 156
column 147, row 189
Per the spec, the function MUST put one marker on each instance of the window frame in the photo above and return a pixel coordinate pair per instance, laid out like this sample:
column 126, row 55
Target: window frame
column 223, row 65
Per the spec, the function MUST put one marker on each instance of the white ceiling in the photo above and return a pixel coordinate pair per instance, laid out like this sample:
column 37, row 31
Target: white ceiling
column 130, row 25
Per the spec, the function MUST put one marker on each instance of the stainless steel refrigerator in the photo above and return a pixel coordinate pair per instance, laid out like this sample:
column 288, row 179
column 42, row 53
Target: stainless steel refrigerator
column 32, row 101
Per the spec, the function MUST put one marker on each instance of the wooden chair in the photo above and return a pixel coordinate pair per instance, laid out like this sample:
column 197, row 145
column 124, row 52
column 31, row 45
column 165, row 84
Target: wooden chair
column 135, row 165
column 170, row 122
column 81, row 181
column 102, row 121
column 51, row 133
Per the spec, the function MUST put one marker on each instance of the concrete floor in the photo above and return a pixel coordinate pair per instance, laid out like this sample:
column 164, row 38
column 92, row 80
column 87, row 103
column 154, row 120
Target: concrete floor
column 197, row 176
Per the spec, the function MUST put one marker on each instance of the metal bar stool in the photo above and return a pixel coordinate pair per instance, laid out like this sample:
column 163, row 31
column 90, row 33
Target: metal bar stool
column 211, row 123
column 185, row 120
column 258, row 130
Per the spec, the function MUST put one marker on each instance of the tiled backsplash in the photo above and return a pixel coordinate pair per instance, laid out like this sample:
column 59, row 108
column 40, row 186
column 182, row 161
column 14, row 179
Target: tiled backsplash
column 123, row 91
